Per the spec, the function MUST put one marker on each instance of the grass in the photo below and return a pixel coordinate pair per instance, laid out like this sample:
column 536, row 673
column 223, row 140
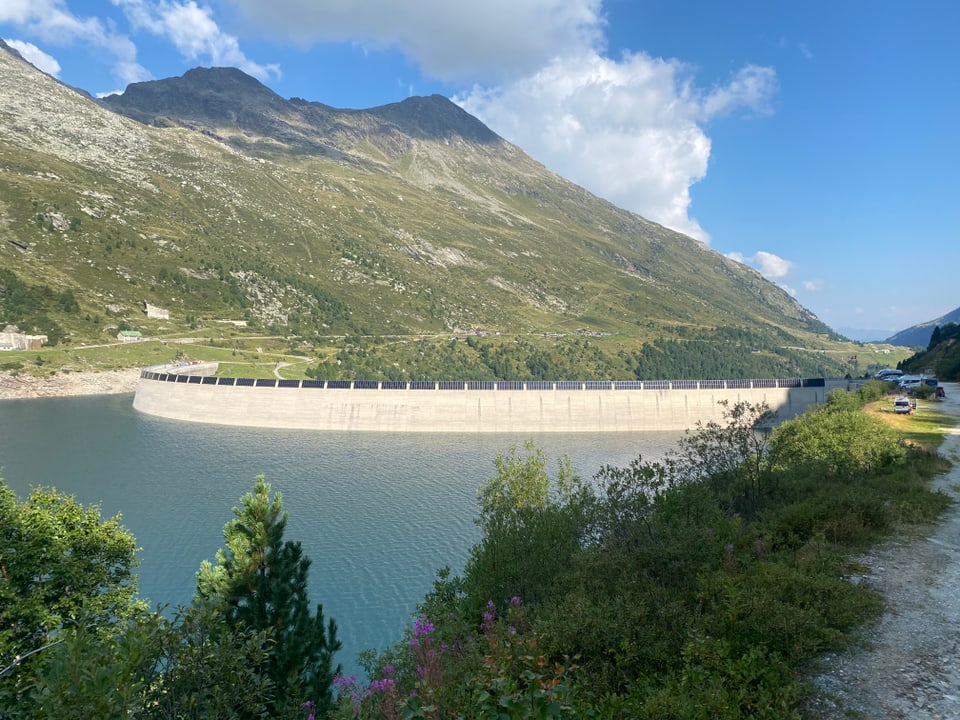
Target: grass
column 924, row 428
column 245, row 357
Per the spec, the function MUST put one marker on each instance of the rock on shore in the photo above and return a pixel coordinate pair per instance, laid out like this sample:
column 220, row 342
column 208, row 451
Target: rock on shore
column 68, row 384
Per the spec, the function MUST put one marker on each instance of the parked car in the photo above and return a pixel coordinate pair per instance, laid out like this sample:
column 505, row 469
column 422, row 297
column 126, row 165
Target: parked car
column 902, row 405
column 908, row 382
column 940, row 392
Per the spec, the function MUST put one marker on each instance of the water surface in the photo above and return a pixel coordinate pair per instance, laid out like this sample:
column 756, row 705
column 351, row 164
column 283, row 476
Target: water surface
column 378, row 513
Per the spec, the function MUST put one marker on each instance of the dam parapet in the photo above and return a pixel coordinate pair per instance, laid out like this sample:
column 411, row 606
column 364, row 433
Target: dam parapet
column 193, row 393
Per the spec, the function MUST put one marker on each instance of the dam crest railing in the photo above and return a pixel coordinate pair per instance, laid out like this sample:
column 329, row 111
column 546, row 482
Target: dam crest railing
column 512, row 385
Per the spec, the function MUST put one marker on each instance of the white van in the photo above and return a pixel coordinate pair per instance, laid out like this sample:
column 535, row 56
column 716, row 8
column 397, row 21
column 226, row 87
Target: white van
column 901, row 405
column 910, row 381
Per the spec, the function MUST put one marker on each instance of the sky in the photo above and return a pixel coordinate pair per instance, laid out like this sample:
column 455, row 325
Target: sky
column 815, row 141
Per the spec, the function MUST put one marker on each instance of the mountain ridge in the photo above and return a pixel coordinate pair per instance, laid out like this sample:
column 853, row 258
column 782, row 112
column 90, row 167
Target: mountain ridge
column 212, row 196
column 919, row 335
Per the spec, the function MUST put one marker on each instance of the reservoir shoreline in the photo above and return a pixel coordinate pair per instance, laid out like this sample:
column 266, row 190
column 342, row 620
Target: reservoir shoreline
column 68, row 384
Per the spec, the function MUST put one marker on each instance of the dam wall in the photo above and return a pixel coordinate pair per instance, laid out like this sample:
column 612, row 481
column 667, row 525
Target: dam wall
column 462, row 407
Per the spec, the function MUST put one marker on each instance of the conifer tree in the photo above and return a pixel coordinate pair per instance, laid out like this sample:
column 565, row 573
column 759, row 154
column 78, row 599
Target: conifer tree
column 260, row 584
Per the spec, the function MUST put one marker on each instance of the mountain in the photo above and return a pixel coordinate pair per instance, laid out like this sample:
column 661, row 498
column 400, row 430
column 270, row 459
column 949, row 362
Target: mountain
column 919, row 335
column 941, row 357
column 215, row 199
column 862, row 334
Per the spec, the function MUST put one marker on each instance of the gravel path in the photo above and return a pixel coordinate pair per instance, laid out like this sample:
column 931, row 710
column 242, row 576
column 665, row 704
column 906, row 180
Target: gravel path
column 909, row 666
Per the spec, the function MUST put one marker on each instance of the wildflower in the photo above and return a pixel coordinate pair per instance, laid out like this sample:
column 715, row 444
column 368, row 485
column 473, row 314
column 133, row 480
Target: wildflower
column 489, row 615
column 516, row 601
column 308, row 705
column 422, row 626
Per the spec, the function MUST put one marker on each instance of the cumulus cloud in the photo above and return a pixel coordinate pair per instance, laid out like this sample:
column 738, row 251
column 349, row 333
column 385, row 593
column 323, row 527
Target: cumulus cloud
column 194, row 33
column 627, row 129
column 772, row 267
column 455, row 41
column 812, row 285
column 51, row 22
column 36, row 57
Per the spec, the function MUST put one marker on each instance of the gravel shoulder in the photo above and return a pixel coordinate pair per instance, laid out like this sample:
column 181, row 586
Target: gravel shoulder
column 909, row 663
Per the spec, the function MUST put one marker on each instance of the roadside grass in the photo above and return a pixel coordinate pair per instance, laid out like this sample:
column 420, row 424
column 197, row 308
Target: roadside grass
column 255, row 357
column 923, row 428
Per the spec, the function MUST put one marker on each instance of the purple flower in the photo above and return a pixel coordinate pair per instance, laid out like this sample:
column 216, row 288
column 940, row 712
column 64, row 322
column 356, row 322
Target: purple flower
column 341, row 683
column 422, row 626
column 516, row 601
column 382, row 685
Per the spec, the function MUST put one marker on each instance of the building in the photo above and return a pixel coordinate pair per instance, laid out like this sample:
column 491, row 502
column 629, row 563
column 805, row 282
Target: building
column 156, row 313
column 129, row 336
column 12, row 339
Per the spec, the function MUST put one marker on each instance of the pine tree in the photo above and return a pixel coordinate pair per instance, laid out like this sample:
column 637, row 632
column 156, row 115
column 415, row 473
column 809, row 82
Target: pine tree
column 260, row 584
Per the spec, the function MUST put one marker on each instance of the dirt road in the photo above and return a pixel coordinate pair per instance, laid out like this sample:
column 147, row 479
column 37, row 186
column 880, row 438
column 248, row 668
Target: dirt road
column 910, row 666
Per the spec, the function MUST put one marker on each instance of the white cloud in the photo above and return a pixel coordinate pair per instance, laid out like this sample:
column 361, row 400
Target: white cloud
column 626, row 129
column 36, row 57
column 193, row 31
column 479, row 42
column 751, row 87
column 813, row 285
column 50, row 22
column 772, row 267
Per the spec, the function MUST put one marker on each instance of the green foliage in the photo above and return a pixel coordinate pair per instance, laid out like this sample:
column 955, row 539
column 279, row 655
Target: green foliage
column 28, row 306
column 495, row 672
column 531, row 528
column 96, row 674
column 149, row 667
column 63, row 567
column 942, row 354
column 695, row 587
column 260, row 584
column 837, row 442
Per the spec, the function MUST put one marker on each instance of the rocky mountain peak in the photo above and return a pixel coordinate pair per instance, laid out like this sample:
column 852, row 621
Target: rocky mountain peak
column 210, row 96
column 434, row 117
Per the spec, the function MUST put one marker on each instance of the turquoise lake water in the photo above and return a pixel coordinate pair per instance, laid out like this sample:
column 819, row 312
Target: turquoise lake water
column 378, row 514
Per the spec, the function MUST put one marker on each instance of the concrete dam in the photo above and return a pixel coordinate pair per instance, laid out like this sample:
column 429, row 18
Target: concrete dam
column 192, row 393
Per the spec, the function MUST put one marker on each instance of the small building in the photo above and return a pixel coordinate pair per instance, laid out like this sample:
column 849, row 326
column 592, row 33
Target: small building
column 155, row 313
column 129, row 336
column 12, row 339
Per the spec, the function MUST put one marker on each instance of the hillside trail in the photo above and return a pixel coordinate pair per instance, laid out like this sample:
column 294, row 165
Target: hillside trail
column 909, row 663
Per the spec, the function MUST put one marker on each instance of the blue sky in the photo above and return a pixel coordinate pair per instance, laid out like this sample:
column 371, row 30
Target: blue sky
column 814, row 141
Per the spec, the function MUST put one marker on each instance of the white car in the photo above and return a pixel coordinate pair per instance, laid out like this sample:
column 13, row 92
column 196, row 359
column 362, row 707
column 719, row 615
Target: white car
column 901, row 405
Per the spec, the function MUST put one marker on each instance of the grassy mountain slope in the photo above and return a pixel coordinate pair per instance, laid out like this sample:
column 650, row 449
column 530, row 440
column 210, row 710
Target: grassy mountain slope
column 217, row 199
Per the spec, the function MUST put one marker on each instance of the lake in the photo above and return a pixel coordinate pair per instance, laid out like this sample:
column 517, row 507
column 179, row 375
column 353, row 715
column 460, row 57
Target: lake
column 377, row 513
